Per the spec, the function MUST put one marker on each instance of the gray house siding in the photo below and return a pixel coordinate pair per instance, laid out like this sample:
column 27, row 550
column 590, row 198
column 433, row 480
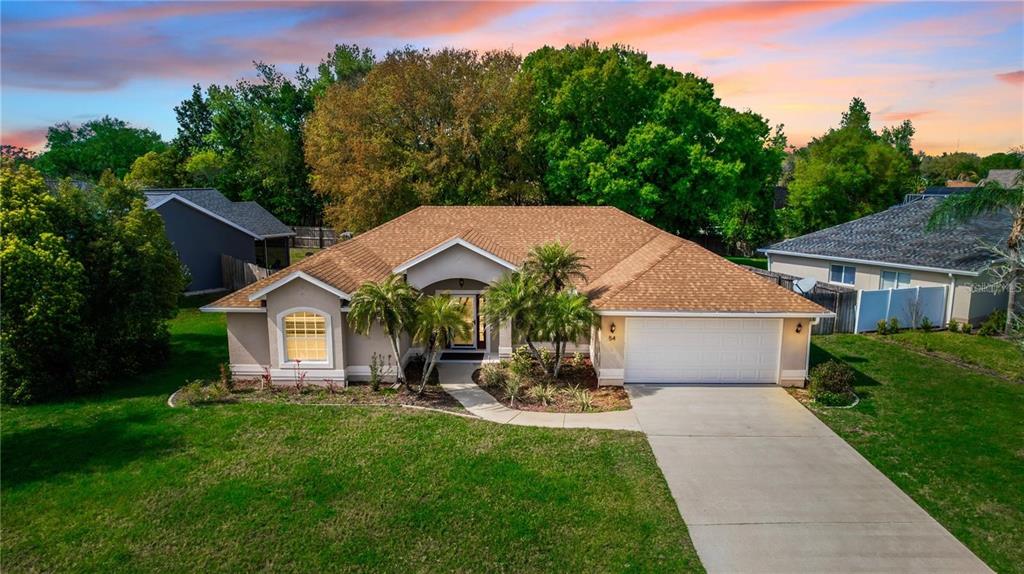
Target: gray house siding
column 200, row 240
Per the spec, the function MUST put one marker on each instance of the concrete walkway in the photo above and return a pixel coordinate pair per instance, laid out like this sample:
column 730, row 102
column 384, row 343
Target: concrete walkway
column 456, row 379
column 764, row 486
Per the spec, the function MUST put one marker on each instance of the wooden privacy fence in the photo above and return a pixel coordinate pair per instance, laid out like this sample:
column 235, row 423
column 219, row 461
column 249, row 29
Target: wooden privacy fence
column 840, row 300
column 318, row 237
column 236, row 273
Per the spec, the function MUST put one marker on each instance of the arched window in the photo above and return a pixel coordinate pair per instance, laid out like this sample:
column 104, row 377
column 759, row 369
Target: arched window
column 305, row 337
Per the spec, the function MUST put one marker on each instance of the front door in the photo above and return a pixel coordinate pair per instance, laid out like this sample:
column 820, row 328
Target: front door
column 468, row 303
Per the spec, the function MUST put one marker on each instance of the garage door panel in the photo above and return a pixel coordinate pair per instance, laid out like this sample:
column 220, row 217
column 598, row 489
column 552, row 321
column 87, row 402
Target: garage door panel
column 702, row 350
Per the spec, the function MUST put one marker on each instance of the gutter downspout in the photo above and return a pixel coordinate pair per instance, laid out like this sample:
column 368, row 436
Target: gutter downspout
column 949, row 304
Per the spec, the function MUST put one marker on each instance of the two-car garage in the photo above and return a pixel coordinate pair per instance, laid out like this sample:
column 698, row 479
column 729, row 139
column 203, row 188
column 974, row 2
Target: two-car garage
column 702, row 350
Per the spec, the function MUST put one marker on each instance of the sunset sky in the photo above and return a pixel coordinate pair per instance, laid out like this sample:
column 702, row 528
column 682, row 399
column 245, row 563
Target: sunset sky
column 955, row 68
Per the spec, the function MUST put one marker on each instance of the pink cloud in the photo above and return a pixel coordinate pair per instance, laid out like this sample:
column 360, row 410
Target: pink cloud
column 912, row 115
column 30, row 138
column 1012, row 78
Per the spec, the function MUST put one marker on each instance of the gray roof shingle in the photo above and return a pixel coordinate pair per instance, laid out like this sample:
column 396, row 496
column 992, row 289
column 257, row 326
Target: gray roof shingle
column 897, row 235
column 1005, row 177
column 248, row 215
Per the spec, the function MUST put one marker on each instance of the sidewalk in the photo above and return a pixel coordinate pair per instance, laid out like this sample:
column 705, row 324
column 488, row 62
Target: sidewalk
column 457, row 380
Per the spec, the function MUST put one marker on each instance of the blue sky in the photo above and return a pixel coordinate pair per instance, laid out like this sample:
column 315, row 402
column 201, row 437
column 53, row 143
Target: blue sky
column 956, row 69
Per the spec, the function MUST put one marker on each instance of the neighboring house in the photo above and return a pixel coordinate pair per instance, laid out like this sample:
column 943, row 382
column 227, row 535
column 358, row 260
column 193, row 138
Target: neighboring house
column 203, row 224
column 1004, row 177
column 892, row 249
column 670, row 311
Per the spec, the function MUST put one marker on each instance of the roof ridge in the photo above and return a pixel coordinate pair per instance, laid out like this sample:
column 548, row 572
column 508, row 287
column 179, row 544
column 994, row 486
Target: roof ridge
column 638, row 275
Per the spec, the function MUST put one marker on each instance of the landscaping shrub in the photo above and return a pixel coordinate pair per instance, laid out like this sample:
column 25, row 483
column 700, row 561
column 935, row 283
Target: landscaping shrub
column 376, row 363
column 493, row 375
column 882, row 327
column 994, row 324
column 513, row 387
column 581, row 398
column 547, row 359
column 89, row 281
column 894, row 325
column 953, row 326
column 966, row 328
column 832, row 383
column 543, row 392
column 577, row 360
column 926, row 324
column 521, row 362
column 198, row 392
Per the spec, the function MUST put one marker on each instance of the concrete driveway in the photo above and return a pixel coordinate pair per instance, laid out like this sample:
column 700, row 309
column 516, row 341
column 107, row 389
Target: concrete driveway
column 764, row 486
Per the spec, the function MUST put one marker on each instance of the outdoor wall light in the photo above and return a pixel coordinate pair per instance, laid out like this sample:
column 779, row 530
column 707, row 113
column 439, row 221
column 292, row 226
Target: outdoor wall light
column 462, row 282
column 799, row 327
column 612, row 328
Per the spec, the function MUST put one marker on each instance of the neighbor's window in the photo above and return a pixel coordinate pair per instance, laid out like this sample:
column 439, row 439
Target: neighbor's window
column 845, row 274
column 305, row 337
column 895, row 279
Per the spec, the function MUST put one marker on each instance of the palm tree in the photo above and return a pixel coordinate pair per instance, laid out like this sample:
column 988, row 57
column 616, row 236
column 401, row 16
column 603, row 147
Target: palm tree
column 514, row 297
column 390, row 303
column 992, row 198
column 566, row 316
column 556, row 265
column 440, row 319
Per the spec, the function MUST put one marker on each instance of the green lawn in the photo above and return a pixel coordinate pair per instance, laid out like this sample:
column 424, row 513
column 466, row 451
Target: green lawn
column 950, row 437
column 121, row 482
column 990, row 353
column 759, row 262
column 299, row 253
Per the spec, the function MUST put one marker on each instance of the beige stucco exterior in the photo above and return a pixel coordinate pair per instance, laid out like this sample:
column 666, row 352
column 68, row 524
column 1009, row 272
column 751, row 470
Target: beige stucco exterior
column 247, row 339
column 255, row 338
column 966, row 305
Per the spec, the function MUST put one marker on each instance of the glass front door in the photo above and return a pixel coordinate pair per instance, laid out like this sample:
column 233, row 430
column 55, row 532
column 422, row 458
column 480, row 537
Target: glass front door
column 468, row 303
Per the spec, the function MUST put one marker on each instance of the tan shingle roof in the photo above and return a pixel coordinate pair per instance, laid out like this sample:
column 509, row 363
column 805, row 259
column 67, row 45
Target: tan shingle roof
column 633, row 265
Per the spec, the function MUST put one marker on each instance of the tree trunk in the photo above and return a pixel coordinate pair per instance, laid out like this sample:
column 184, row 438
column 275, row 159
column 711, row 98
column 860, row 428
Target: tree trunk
column 559, row 351
column 399, row 372
column 1011, row 296
column 432, row 355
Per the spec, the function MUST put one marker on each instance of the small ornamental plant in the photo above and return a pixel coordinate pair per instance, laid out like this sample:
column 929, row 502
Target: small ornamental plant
column 953, row 326
column 882, row 327
column 894, row 325
column 832, row 384
column 926, row 324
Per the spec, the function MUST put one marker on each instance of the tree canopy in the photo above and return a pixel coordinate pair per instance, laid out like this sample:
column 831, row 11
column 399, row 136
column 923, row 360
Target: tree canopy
column 445, row 127
column 849, row 172
column 615, row 129
column 89, row 280
column 86, row 151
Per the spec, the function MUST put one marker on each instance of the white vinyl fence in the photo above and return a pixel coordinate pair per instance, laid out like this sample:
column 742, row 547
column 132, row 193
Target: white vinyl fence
column 909, row 305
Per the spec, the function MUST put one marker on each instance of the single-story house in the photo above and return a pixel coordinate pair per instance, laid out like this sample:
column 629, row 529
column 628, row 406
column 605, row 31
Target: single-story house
column 892, row 249
column 670, row 311
column 203, row 225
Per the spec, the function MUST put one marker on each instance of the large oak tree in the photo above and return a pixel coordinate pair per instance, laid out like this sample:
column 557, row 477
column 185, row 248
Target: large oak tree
column 424, row 127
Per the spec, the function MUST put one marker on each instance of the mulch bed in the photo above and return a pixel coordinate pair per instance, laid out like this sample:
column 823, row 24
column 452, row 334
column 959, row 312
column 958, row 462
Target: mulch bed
column 356, row 393
column 604, row 398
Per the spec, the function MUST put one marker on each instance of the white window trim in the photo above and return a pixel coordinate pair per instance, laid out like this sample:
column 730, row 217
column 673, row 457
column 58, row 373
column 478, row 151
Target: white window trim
column 445, row 246
column 844, row 266
column 896, row 283
column 283, row 361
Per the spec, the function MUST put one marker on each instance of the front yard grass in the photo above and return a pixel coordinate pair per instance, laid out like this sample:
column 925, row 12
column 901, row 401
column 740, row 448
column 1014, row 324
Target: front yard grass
column 987, row 353
column 950, row 437
column 121, row 482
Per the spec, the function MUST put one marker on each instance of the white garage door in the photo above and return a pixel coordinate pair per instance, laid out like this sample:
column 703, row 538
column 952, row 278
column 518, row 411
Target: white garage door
column 663, row 350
